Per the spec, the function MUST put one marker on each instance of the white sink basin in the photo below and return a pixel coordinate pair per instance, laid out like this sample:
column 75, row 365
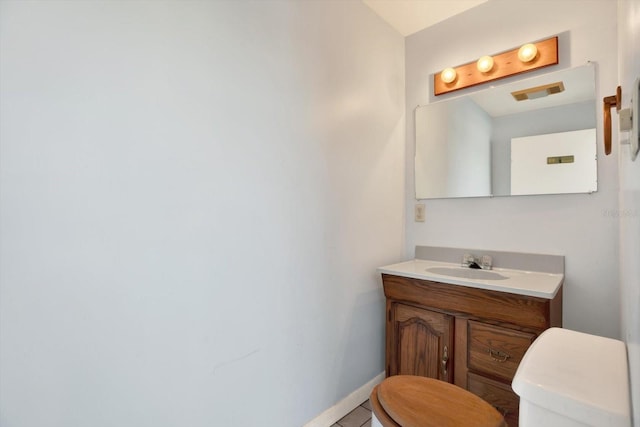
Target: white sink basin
column 522, row 282
column 467, row 273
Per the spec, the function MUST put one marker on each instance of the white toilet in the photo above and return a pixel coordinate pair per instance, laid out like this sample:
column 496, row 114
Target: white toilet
column 566, row 379
column 569, row 378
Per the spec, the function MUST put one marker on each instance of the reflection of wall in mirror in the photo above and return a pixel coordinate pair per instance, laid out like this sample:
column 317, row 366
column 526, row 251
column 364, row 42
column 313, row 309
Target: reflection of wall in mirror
column 531, row 172
column 562, row 118
column 457, row 160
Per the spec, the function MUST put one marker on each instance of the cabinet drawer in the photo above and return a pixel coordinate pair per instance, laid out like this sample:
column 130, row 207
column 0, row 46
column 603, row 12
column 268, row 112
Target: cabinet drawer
column 500, row 395
column 496, row 351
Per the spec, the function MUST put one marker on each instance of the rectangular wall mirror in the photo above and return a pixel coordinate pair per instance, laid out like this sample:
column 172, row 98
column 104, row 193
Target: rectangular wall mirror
column 533, row 136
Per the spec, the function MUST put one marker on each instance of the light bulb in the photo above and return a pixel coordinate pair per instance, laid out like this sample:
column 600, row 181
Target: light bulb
column 485, row 64
column 527, row 52
column 448, row 75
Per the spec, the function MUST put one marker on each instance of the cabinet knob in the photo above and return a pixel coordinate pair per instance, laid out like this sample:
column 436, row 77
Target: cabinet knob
column 503, row 411
column 445, row 361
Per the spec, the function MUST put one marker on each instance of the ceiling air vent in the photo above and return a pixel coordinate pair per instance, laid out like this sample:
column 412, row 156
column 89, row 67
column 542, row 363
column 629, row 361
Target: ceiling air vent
column 538, row 91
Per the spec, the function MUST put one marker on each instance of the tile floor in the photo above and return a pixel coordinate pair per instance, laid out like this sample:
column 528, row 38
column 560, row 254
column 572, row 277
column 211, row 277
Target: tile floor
column 359, row 417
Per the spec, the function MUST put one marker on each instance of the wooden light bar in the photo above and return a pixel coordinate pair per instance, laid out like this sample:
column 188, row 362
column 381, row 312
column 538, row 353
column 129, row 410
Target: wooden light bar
column 505, row 64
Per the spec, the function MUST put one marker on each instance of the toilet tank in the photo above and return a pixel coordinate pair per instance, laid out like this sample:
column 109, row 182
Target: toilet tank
column 570, row 379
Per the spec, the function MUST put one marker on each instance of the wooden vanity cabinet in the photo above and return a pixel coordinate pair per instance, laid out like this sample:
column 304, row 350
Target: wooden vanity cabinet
column 474, row 338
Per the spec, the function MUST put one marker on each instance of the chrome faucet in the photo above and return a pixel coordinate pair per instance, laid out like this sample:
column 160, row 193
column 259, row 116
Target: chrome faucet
column 467, row 260
column 484, row 262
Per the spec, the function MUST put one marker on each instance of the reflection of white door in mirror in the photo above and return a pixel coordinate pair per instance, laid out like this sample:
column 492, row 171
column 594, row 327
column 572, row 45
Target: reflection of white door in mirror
column 555, row 163
column 463, row 144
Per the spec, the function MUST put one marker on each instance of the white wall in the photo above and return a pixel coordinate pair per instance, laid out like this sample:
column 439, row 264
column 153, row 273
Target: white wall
column 583, row 227
column 194, row 199
column 629, row 213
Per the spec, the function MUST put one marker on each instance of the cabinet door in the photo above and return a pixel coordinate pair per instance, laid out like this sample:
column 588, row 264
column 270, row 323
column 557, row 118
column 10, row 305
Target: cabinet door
column 420, row 342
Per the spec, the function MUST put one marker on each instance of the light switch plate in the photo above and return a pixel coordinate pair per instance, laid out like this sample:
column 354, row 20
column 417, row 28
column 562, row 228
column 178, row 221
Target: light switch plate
column 624, row 117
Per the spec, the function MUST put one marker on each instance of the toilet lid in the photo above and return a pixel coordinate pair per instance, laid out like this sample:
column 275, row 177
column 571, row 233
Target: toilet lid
column 413, row 401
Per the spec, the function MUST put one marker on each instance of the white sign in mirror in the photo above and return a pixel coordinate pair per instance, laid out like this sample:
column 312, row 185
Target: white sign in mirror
column 464, row 144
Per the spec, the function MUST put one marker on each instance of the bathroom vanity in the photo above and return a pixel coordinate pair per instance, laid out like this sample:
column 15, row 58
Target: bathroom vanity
column 469, row 327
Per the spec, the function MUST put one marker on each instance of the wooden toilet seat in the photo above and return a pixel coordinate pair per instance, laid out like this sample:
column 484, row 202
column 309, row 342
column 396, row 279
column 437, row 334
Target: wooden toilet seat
column 413, row 401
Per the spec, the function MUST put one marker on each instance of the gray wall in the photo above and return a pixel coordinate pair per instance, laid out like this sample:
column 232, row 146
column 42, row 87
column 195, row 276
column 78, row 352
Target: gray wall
column 194, row 199
column 470, row 157
column 454, row 156
column 629, row 212
column 582, row 227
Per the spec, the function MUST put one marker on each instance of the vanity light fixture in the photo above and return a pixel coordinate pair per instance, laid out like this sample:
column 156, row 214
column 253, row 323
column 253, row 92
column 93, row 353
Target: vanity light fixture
column 485, row 64
column 448, row 75
column 534, row 56
column 527, row 52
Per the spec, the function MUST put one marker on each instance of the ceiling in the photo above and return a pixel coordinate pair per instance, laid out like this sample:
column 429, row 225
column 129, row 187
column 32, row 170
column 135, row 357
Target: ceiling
column 579, row 84
column 410, row 16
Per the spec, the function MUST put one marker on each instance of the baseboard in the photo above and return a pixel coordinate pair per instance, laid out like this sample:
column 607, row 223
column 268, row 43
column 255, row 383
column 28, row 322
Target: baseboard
column 346, row 405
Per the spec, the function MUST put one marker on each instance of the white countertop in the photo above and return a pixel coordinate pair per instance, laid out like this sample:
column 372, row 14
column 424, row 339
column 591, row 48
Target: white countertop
column 531, row 283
